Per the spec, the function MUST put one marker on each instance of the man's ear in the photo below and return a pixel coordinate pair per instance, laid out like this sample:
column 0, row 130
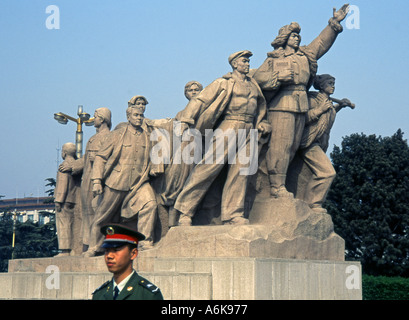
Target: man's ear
column 134, row 253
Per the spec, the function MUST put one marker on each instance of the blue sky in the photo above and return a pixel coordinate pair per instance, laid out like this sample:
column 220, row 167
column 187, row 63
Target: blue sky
column 105, row 52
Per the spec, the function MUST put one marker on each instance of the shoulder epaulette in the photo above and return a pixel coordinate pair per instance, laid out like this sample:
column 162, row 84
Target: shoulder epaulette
column 102, row 286
column 148, row 285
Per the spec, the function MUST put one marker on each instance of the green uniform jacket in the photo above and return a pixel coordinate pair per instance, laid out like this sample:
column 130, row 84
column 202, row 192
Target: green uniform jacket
column 137, row 288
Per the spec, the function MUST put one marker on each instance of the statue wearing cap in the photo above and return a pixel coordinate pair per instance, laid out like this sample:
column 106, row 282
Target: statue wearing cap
column 121, row 249
column 120, row 178
column 233, row 102
column 285, row 76
column 102, row 124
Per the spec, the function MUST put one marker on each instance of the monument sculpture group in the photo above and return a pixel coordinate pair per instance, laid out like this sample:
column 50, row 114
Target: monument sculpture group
column 250, row 144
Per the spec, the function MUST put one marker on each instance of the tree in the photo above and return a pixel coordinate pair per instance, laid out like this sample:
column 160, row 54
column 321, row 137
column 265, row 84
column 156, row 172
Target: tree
column 50, row 192
column 32, row 240
column 51, row 183
column 6, row 233
column 368, row 201
column 35, row 241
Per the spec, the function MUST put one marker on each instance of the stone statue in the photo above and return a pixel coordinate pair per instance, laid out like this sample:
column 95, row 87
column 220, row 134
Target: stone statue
column 102, row 124
column 176, row 172
column 135, row 101
column 266, row 116
column 192, row 89
column 285, row 77
column 315, row 171
column 120, row 175
column 66, row 198
column 232, row 103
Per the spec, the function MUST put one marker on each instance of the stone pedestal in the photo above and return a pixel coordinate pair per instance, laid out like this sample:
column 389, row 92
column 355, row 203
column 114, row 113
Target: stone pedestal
column 287, row 252
column 198, row 278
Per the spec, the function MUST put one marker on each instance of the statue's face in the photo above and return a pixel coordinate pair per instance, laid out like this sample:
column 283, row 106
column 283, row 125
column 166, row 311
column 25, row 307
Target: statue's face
column 97, row 120
column 294, row 40
column 242, row 65
column 140, row 103
column 194, row 90
column 329, row 86
column 135, row 117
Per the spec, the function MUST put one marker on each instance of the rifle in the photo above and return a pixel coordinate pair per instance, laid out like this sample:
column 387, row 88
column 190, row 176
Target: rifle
column 352, row 105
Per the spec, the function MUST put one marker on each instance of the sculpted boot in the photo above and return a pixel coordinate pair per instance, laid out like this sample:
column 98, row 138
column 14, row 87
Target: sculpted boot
column 185, row 220
column 277, row 186
column 237, row 221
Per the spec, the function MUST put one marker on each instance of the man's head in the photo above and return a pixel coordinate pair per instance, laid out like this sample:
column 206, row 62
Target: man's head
column 294, row 40
column 192, row 89
column 288, row 35
column 102, row 115
column 240, row 61
column 121, row 247
column 68, row 149
column 135, row 115
column 324, row 83
column 119, row 259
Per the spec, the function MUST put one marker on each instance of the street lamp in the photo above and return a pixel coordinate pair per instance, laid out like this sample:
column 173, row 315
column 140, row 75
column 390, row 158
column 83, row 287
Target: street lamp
column 83, row 118
column 14, row 233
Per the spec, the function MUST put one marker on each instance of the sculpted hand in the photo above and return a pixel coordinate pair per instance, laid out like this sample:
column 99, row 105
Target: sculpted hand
column 180, row 128
column 341, row 13
column 286, row 75
column 64, row 167
column 97, row 189
column 264, row 128
column 155, row 171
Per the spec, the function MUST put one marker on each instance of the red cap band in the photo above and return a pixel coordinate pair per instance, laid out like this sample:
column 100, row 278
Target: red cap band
column 118, row 236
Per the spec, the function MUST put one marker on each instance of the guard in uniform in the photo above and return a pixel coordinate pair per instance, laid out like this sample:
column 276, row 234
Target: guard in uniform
column 121, row 248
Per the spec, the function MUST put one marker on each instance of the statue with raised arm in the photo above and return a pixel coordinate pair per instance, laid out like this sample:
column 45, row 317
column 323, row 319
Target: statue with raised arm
column 285, row 77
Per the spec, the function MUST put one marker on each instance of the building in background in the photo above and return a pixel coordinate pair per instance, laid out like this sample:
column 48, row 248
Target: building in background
column 33, row 209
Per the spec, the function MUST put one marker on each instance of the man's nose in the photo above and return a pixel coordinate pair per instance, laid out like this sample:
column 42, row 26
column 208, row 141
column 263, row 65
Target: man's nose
column 109, row 254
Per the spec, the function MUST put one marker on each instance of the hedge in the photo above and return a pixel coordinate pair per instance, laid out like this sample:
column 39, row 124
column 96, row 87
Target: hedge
column 385, row 288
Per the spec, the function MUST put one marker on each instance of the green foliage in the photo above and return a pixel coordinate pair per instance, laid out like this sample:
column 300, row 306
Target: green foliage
column 31, row 240
column 6, row 233
column 34, row 241
column 368, row 202
column 385, row 288
column 51, row 183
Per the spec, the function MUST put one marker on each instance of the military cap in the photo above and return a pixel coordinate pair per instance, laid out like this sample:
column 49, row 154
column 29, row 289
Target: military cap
column 117, row 235
column 243, row 53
